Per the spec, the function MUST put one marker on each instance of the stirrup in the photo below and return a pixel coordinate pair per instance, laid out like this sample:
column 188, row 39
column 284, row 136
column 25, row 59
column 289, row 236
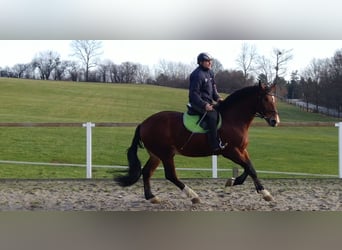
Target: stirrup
column 222, row 145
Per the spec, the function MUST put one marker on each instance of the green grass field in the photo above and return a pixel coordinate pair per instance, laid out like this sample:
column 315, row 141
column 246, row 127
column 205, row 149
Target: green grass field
column 288, row 149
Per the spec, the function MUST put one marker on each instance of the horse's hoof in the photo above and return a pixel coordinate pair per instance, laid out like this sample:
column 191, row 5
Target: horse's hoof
column 230, row 182
column 268, row 198
column 155, row 200
column 227, row 190
column 266, row 195
column 195, row 200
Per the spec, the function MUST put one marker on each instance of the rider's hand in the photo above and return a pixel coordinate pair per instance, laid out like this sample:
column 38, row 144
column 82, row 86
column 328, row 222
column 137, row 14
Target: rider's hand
column 209, row 107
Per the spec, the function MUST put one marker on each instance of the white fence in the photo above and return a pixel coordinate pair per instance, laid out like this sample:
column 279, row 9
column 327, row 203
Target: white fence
column 214, row 168
column 339, row 125
column 314, row 108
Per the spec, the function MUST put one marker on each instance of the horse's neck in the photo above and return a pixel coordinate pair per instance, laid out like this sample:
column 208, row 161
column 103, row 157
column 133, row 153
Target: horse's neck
column 243, row 113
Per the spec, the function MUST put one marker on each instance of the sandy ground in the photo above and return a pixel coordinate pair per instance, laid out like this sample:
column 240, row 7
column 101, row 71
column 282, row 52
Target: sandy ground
column 105, row 195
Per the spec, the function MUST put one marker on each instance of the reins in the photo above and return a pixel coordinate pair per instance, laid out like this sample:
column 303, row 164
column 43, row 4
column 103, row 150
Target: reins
column 263, row 116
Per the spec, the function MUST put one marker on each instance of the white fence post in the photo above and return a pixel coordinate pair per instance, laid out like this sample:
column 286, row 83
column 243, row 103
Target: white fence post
column 88, row 126
column 214, row 165
column 339, row 125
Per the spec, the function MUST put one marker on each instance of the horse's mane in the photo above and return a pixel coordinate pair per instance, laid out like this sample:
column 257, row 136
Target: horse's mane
column 238, row 95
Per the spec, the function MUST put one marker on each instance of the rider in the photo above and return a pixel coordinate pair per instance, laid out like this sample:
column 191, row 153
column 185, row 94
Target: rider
column 203, row 95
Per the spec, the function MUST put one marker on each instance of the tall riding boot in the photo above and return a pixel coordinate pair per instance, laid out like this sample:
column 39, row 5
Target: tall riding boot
column 212, row 139
column 212, row 133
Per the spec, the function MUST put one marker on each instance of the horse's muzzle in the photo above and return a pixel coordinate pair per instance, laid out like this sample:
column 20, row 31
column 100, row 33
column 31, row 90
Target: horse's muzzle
column 273, row 121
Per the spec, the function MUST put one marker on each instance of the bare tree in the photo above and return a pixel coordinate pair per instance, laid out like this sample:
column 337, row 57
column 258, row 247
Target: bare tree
column 103, row 69
column 313, row 74
column 73, row 70
column 173, row 74
column 6, row 72
column 264, row 69
column 282, row 57
column 173, row 70
column 60, row 70
column 143, row 73
column 124, row 73
column 88, row 52
column 20, row 68
column 313, row 70
column 30, row 73
column 230, row 80
column 128, row 72
column 46, row 62
column 335, row 88
column 271, row 69
column 114, row 73
column 246, row 59
column 293, row 90
column 216, row 66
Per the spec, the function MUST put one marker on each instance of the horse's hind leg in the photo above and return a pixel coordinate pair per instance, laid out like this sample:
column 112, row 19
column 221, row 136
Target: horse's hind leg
column 238, row 180
column 170, row 174
column 147, row 171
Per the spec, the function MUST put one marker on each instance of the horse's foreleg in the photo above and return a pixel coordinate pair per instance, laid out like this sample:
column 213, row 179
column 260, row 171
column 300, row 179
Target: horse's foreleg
column 170, row 174
column 243, row 160
column 266, row 195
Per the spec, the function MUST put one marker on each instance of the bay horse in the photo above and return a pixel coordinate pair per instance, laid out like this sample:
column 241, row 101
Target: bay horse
column 163, row 135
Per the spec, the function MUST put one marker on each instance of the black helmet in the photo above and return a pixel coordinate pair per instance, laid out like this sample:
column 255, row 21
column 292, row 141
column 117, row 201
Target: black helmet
column 204, row 57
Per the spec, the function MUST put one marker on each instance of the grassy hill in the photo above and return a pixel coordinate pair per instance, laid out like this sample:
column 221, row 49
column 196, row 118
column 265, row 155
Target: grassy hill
column 54, row 101
column 312, row 150
column 48, row 101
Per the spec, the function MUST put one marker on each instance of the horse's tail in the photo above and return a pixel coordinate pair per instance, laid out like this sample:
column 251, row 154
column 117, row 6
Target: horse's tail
column 134, row 164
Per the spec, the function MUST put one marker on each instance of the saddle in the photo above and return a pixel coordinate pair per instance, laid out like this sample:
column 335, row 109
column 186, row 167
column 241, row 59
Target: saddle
column 192, row 122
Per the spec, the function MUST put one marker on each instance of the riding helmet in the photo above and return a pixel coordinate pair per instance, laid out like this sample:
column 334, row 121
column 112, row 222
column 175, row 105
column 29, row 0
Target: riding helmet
column 204, row 57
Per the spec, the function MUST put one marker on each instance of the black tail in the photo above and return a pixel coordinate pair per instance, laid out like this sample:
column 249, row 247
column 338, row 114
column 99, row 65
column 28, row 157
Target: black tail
column 134, row 165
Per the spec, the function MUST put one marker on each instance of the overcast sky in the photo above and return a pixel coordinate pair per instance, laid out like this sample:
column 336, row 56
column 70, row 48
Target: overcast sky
column 171, row 19
column 150, row 52
column 130, row 29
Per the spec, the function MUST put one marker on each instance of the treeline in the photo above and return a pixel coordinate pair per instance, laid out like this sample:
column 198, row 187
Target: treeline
column 166, row 73
column 48, row 65
column 88, row 67
column 319, row 84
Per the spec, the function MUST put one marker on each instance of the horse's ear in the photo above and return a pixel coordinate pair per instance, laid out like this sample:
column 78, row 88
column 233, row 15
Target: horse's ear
column 261, row 85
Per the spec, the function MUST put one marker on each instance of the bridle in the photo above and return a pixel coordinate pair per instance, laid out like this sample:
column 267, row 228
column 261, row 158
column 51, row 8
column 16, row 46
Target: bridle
column 262, row 114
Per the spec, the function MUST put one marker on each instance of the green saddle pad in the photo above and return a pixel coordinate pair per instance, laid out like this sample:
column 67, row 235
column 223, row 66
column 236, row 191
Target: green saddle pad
column 190, row 122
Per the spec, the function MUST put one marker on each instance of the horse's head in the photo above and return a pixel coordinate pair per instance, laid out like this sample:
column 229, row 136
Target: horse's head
column 266, row 106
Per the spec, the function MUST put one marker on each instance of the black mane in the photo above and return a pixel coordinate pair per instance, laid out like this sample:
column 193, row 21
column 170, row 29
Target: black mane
column 238, row 96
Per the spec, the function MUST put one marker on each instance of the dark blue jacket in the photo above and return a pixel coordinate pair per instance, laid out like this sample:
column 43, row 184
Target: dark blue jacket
column 202, row 89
